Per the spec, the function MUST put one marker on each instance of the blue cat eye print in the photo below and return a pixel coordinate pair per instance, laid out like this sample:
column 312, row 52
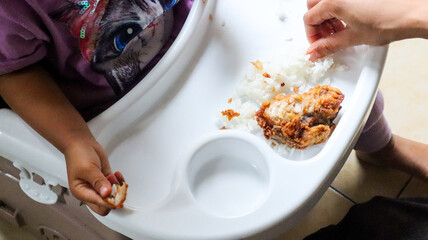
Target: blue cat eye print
column 168, row 4
column 124, row 35
column 127, row 32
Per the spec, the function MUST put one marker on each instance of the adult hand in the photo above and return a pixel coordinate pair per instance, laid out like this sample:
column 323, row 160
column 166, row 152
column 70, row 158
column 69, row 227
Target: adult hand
column 332, row 25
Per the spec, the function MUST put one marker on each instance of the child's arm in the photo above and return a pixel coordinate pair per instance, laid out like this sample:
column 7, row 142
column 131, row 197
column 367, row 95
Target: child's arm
column 34, row 96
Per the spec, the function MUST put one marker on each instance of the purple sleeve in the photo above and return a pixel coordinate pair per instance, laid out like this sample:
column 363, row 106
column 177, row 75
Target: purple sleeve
column 22, row 39
column 376, row 133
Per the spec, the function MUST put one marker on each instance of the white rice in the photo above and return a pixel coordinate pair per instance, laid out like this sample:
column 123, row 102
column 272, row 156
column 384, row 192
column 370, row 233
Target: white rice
column 291, row 68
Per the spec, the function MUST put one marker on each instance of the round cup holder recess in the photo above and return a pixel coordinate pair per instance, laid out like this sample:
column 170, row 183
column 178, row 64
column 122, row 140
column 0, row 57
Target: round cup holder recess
column 228, row 177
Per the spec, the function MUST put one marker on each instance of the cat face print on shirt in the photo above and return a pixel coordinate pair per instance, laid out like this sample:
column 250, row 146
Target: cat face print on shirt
column 112, row 38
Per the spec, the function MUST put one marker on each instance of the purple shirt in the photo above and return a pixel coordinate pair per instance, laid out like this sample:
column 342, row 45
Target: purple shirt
column 29, row 35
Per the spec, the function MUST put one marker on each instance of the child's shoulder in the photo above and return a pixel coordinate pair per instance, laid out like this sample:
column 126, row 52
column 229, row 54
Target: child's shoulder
column 32, row 7
column 25, row 30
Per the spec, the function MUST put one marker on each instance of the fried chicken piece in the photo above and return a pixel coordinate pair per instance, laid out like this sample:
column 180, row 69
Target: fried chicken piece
column 119, row 190
column 118, row 195
column 301, row 120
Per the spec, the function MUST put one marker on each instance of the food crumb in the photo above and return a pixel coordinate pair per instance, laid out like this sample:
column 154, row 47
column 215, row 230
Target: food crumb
column 230, row 100
column 265, row 82
column 204, row 1
column 273, row 144
column 296, row 89
column 258, row 65
column 211, row 17
column 223, row 128
column 230, row 114
column 273, row 89
column 266, row 75
column 282, row 84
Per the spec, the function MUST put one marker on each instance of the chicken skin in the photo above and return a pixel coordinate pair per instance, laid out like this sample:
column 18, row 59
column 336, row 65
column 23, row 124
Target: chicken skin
column 301, row 120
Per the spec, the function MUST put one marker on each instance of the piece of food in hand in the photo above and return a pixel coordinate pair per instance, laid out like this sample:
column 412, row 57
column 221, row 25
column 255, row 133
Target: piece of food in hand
column 301, row 120
column 118, row 195
column 118, row 190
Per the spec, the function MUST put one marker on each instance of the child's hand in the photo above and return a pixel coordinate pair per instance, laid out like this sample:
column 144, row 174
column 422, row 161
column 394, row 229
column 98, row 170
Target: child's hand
column 366, row 22
column 87, row 167
column 46, row 109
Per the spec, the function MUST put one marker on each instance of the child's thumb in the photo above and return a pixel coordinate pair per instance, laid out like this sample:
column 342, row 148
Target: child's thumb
column 100, row 183
column 329, row 45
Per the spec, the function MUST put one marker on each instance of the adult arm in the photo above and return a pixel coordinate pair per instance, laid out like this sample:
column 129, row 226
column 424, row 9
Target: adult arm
column 332, row 25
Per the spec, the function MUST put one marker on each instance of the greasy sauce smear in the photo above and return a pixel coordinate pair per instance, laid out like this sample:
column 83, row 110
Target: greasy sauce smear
column 230, row 114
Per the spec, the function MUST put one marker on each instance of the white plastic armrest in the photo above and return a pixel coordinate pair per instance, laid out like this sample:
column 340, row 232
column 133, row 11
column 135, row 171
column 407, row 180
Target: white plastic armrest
column 31, row 153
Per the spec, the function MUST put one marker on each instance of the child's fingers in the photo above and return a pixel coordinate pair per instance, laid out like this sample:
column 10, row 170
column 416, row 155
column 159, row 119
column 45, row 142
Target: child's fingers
column 116, row 178
column 119, row 177
column 113, row 179
column 105, row 164
column 87, row 194
column 102, row 211
column 96, row 178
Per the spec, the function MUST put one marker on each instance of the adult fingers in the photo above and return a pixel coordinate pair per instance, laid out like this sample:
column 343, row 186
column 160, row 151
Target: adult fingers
column 331, row 44
column 312, row 3
column 322, row 12
column 325, row 29
column 330, row 27
column 321, row 20
column 336, row 25
column 313, row 33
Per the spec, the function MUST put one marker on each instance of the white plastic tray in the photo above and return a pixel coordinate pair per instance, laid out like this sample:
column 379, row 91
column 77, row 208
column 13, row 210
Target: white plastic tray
column 187, row 179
